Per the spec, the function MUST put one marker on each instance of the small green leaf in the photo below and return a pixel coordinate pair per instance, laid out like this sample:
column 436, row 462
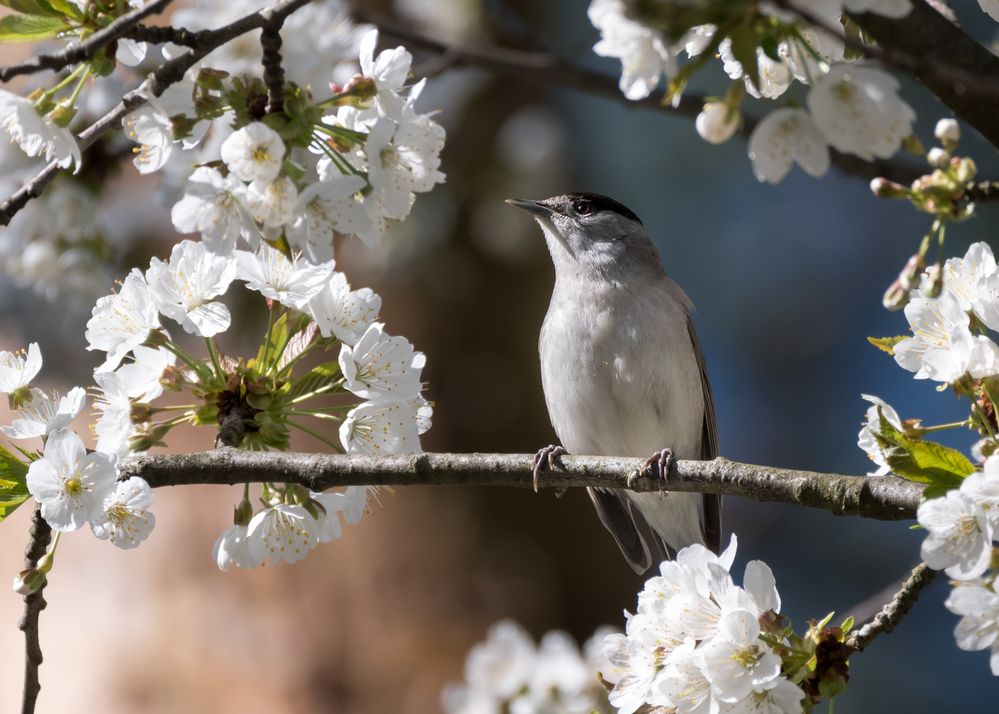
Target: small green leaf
column 744, row 42
column 319, row 376
column 847, row 625
column 274, row 344
column 13, row 487
column 886, row 344
column 940, row 467
column 28, row 28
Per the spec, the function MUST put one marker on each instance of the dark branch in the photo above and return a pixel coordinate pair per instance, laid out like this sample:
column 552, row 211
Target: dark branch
column 80, row 52
column 41, row 535
column 270, row 41
column 159, row 35
column 157, row 82
column 936, row 41
column 546, row 70
column 880, row 497
column 982, row 191
column 895, row 609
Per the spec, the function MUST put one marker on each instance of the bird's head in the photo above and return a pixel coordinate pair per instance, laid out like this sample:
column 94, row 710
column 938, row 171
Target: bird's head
column 589, row 234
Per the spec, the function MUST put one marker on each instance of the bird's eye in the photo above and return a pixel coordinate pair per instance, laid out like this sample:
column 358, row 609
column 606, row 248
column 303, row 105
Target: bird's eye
column 582, row 208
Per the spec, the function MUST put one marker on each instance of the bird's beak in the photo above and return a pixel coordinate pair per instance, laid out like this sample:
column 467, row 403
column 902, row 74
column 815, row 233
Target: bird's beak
column 535, row 207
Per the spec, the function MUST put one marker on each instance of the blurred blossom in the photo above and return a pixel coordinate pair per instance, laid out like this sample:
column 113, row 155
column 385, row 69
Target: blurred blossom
column 530, row 138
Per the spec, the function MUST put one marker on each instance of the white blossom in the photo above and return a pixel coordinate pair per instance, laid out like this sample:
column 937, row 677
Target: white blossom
column 114, row 428
column 786, row 136
column 775, row 76
column 959, row 535
column 644, row 55
column 736, row 661
column 282, row 532
column 328, row 526
column 272, row 203
column 962, row 277
column 291, row 282
column 716, row 123
column 503, row 663
column 380, row 428
column 867, row 440
column 389, row 70
column 983, row 359
column 213, row 204
column 37, row 135
column 124, row 517
column 233, row 548
column 341, row 312
column 68, row 483
column 122, row 321
column 254, row 153
column 184, row 287
column 859, row 111
column 382, row 368
column 152, row 126
column 325, row 208
column 941, row 344
column 982, row 487
column 947, row 131
column 403, row 159
column 977, row 603
column 17, row 369
column 140, row 379
column 44, row 414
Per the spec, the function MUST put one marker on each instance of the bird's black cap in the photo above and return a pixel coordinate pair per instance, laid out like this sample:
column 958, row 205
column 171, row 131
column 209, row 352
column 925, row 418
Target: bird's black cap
column 599, row 203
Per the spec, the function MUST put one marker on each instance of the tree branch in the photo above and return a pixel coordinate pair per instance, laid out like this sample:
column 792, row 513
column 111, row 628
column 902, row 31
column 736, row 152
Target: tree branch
column 82, row 51
column 34, row 603
column 895, row 609
column 937, row 41
column 879, row 497
column 270, row 42
column 544, row 69
column 157, row 82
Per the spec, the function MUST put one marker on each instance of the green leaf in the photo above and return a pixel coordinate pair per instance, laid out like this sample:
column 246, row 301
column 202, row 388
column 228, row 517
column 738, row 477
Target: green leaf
column 886, row 344
column 28, row 28
column 744, row 42
column 32, row 7
column 13, row 487
column 940, row 467
column 317, row 377
column 64, row 8
column 847, row 625
column 274, row 343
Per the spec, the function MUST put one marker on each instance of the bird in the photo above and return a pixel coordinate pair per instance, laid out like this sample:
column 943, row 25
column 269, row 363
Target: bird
column 623, row 372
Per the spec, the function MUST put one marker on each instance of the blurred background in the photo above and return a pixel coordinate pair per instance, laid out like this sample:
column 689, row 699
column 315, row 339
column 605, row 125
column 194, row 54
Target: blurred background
column 787, row 281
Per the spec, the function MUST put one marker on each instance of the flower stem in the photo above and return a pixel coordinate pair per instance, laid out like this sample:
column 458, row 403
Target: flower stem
column 213, row 353
column 314, row 435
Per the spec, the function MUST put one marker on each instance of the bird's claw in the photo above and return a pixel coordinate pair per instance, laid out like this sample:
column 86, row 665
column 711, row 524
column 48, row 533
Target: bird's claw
column 658, row 466
column 547, row 459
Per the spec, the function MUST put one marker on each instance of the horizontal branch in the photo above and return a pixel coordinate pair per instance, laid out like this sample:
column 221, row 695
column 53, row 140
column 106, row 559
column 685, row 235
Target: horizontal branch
column 157, row 83
column 80, row 51
column 544, row 69
column 879, row 497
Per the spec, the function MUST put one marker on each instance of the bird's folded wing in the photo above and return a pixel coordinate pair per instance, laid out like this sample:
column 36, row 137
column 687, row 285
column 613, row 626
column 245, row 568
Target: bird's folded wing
column 641, row 546
column 711, row 525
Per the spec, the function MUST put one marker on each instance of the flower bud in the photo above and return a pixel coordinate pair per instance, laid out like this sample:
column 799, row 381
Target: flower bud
column 28, row 581
column 62, row 115
column 717, row 122
column 243, row 513
column 883, row 188
column 934, row 279
column 938, row 158
column 141, row 412
column 896, row 297
column 947, row 132
column 964, row 169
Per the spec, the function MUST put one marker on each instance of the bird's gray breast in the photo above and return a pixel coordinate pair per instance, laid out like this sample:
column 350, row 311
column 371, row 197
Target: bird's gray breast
column 619, row 371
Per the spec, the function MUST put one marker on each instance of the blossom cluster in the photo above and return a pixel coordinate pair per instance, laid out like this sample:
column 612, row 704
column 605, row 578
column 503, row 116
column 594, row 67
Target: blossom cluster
column 700, row 643
column 950, row 309
column 851, row 108
column 376, row 379
column 343, row 166
column 72, row 486
column 510, row 673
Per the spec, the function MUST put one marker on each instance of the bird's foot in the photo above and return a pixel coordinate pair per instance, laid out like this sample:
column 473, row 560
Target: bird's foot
column 658, row 466
column 547, row 459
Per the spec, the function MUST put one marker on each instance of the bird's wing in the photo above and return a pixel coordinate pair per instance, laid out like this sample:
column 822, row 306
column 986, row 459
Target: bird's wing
column 709, row 447
column 641, row 546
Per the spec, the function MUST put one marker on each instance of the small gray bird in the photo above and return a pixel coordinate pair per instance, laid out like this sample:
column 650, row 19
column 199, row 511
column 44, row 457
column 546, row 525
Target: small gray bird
column 623, row 372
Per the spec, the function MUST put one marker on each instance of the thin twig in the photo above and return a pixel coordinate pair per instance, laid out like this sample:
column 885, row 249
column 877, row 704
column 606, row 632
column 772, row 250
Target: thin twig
column 879, row 497
column 895, row 609
column 982, row 191
column 546, row 70
column 34, row 603
column 79, row 52
column 157, row 82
